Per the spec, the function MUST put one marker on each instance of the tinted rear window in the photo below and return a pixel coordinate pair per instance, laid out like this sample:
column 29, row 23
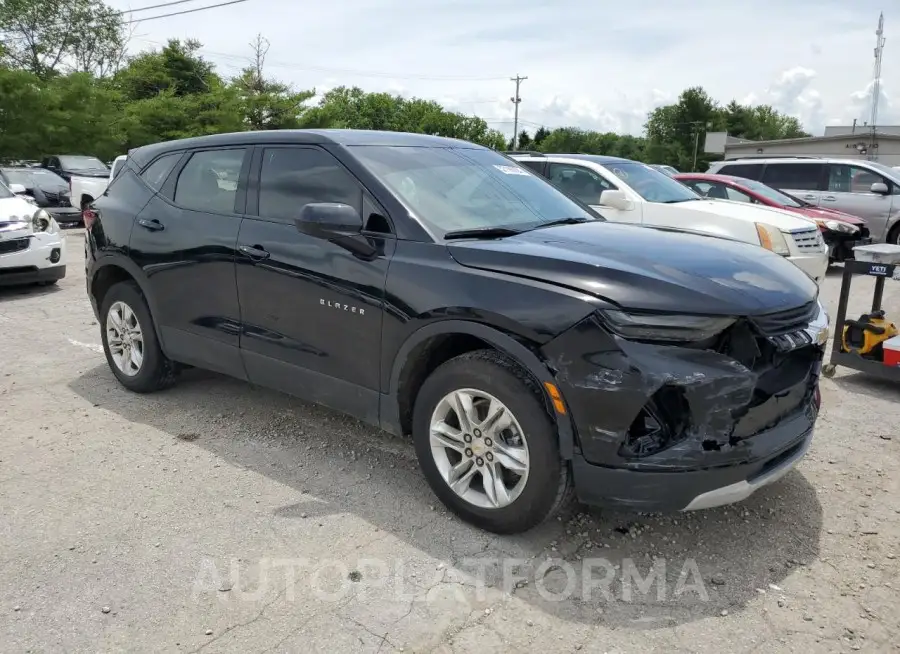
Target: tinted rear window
column 802, row 176
column 747, row 171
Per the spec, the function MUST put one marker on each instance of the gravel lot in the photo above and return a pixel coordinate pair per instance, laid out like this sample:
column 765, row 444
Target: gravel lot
column 218, row 517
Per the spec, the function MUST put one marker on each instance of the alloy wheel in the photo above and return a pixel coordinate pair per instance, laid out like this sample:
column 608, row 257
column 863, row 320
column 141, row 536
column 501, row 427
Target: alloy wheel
column 479, row 448
column 125, row 338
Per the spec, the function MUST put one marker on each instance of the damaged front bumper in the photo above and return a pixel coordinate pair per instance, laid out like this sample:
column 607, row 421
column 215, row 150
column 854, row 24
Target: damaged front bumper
column 662, row 427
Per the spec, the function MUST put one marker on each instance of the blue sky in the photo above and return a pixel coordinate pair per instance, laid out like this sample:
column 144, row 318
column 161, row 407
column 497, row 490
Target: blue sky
column 597, row 65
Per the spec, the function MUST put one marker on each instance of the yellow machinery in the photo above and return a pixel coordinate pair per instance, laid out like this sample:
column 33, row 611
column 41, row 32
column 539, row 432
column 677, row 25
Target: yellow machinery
column 865, row 336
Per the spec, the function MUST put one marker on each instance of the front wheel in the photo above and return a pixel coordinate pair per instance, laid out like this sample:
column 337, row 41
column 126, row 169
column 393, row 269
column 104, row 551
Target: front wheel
column 487, row 446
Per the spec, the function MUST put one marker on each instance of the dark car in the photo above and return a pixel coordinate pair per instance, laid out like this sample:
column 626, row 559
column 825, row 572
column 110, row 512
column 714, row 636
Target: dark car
column 75, row 164
column 841, row 231
column 433, row 287
column 47, row 189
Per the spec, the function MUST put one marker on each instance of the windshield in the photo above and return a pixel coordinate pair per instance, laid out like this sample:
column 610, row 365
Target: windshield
column 31, row 176
column 82, row 163
column 453, row 189
column 769, row 193
column 651, row 184
column 5, row 192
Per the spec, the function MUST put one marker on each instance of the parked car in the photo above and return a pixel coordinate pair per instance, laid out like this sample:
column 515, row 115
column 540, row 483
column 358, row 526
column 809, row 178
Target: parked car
column 671, row 171
column 633, row 192
column 47, row 189
column 866, row 189
column 841, row 231
column 433, row 287
column 116, row 166
column 88, row 177
column 32, row 250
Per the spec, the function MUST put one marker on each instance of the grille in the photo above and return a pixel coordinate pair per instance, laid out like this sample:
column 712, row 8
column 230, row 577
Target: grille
column 60, row 199
column 807, row 239
column 15, row 245
column 785, row 322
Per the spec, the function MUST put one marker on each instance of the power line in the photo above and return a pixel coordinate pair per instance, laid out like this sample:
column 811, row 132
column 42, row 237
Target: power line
column 186, row 11
column 165, row 4
column 141, row 20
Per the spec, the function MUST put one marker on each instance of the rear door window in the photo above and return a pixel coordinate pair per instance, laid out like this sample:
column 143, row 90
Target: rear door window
column 800, row 176
column 747, row 171
column 208, row 181
column 156, row 173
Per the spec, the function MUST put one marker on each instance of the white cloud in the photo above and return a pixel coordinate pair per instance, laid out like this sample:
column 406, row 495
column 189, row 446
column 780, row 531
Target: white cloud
column 593, row 65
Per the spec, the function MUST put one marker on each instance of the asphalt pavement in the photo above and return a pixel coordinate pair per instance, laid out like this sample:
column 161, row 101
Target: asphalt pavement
column 218, row 517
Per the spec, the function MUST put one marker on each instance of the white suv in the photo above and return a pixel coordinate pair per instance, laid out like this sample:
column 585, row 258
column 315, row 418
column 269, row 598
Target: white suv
column 633, row 192
column 32, row 250
column 866, row 189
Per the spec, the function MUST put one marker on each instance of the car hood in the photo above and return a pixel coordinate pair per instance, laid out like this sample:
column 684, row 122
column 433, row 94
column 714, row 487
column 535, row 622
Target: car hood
column 11, row 208
column 646, row 268
column 818, row 213
column 754, row 213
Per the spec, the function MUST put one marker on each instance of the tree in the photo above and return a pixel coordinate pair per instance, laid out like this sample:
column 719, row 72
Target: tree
column 267, row 104
column 176, row 68
column 540, row 135
column 353, row 108
column 676, row 132
column 47, row 37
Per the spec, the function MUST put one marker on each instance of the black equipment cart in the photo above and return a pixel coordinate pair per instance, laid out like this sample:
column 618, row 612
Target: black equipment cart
column 881, row 261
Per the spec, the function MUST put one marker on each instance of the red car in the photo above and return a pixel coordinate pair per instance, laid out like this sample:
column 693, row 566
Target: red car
column 841, row 231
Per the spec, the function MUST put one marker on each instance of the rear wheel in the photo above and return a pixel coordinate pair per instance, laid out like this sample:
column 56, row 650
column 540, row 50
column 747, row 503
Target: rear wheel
column 130, row 342
column 486, row 444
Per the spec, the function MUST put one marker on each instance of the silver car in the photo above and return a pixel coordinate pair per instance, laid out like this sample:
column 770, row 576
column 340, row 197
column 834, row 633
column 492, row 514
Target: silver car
column 866, row 189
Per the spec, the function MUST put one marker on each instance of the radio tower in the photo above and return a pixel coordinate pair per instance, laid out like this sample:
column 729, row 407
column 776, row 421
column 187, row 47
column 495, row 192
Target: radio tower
column 876, row 85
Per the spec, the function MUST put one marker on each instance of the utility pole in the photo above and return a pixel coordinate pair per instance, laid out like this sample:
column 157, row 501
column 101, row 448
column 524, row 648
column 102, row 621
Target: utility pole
column 516, row 100
column 876, row 85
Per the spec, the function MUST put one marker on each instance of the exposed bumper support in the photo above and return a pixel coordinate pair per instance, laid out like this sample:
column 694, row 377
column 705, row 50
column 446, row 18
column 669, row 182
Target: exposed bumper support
column 741, row 490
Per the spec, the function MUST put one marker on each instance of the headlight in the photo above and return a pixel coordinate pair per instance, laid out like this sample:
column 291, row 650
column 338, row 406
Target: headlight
column 41, row 221
column 665, row 327
column 771, row 238
column 838, row 226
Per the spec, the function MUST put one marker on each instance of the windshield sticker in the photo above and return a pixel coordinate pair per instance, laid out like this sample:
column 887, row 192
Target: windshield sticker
column 621, row 174
column 511, row 170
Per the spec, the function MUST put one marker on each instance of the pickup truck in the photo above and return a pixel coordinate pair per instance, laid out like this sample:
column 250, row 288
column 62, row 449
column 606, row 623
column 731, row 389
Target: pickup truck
column 87, row 176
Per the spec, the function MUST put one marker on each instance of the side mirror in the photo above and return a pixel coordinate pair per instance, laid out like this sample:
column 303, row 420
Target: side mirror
column 337, row 223
column 18, row 189
column 616, row 200
column 329, row 220
column 880, row 188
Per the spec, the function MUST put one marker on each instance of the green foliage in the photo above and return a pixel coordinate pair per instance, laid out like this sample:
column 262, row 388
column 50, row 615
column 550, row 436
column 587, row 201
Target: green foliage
column 676, row 131
column 66, row 86
column 47, row 37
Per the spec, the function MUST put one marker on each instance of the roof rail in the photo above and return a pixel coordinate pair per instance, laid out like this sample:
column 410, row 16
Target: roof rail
column 531, row 153
column 774, row 156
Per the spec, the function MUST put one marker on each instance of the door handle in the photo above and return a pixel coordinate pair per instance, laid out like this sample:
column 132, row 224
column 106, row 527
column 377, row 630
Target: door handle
column 809, row 197
column 255, row 252
column 153, row 225
column 830, row 198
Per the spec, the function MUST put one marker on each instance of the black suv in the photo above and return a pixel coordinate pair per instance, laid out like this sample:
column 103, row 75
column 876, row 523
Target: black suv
column 433, row 287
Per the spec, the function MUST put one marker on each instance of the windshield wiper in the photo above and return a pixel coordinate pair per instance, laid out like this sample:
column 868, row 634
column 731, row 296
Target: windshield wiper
column 676, row 201
column 481, row 232
column 565, row 221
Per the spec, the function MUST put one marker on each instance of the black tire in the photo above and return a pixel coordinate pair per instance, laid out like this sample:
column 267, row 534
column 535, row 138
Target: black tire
column 548, row 485
column 157, row 372
column 894, row 235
